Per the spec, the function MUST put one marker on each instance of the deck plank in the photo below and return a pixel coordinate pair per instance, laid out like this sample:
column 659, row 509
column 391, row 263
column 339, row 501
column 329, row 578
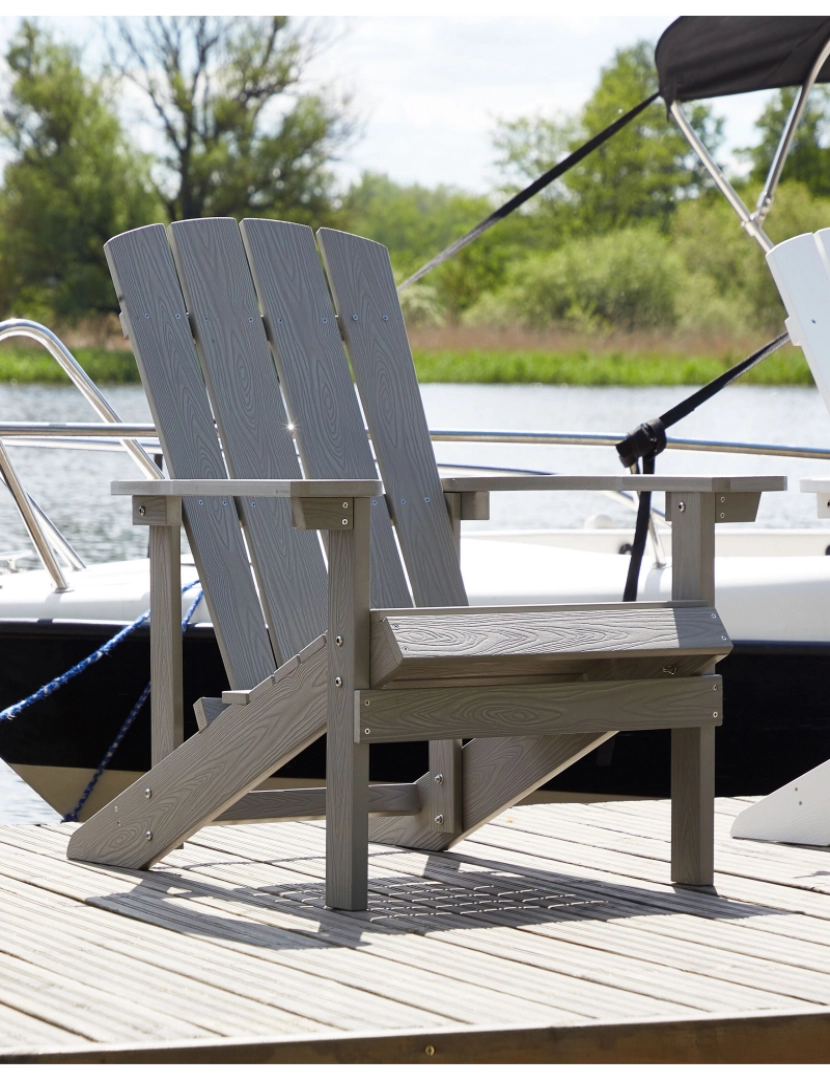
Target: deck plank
column 488, row 905
column 554, row 916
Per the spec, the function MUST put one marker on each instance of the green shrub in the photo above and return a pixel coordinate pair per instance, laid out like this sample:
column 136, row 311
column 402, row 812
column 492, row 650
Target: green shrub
column 627, row 280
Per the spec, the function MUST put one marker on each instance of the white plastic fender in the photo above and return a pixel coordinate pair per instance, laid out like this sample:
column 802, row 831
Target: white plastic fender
column 797, row 813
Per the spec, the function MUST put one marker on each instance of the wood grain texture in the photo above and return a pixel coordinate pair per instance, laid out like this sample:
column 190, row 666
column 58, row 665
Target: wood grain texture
column 151, row 301
column 157, row 510
column 371, row 320
column 554, row 904
column 487, row 712
column 693, row 800
column 268, row 489
column 693, row 752
column 166, row 701
column 522, row 641
column 452, row 500
column 626, row 482
column 207, row 709
column 295, row 804
column 774, row 1037
column 347, row 761
column 735, row 506
column 210, row 771
column 496, row 774
column 322, row 513
column 364, row 293
column 252, row 422
column 446, row 771
column 315, row 378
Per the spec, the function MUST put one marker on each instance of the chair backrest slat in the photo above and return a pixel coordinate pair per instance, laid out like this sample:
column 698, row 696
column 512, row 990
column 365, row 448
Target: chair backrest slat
column 363, row 286
column 244, row 390
column 315, row 379
column 148, row 291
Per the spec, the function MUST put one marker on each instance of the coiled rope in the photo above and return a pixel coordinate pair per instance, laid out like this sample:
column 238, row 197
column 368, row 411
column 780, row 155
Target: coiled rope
column 13, row 711
column 136, row 709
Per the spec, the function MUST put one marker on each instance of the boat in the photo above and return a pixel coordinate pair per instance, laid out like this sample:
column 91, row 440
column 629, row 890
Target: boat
column 773, row 586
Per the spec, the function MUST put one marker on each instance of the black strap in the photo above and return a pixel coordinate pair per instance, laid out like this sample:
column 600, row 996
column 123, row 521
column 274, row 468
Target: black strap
column 532, row 189
column 640, row 531
column 649, row 439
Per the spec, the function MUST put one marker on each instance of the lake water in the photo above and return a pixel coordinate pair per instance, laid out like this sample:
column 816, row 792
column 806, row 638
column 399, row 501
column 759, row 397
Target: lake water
column 73, row 488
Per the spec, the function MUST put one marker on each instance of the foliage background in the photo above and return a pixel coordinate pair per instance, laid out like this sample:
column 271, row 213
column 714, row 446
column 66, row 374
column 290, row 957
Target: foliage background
column 629, row 256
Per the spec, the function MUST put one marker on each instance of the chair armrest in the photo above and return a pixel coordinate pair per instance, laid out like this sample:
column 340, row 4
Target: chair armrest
column 628, row 482
column 820, row 486
column 275, row 489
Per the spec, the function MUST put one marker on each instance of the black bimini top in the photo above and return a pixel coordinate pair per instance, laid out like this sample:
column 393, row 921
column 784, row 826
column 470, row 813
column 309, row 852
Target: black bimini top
column 703, row 57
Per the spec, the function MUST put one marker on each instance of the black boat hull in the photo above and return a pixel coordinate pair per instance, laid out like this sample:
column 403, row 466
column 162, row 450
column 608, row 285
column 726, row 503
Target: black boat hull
column 776, row 726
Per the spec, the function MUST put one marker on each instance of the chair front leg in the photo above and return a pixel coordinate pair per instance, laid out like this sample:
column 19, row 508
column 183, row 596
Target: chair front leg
column 693, row 749
column 163, row 514
column 347, row 761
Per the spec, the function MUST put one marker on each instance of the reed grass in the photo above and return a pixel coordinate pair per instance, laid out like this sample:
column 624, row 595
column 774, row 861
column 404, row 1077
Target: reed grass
column 483, row 355
column 106, row 366
column 583, row 368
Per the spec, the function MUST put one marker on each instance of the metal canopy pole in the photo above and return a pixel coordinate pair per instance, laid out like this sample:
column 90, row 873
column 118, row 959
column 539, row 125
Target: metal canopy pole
column 33, row 526
column 793, row 120
column 751, row 226
column 753, row 222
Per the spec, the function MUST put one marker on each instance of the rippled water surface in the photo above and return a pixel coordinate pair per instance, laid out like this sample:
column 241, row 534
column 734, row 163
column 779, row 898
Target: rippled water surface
column 73, row 488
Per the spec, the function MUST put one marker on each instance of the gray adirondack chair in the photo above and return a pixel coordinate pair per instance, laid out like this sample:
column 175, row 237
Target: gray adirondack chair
column 240, row 326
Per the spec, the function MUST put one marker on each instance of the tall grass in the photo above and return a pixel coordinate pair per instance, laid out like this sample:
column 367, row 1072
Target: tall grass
column 486, row 355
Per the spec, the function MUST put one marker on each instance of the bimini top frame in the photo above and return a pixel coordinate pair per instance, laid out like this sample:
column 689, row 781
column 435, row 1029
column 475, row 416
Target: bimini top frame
column 702, row 57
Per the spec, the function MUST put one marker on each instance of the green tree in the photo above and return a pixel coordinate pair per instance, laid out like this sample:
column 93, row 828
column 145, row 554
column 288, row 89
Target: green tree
column 240, row 135
column 808, row 161
column 416, row 222
column 640, row 175
column 70, row 185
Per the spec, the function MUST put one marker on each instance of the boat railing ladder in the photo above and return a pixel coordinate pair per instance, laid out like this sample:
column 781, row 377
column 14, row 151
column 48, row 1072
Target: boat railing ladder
column 46, row 537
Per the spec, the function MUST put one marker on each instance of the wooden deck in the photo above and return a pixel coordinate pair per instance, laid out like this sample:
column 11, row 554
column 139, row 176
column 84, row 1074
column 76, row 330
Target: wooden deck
column 552, row 935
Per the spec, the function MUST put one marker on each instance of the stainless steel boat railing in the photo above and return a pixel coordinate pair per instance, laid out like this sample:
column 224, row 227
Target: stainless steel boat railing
column 48, row 540
column 134, row 439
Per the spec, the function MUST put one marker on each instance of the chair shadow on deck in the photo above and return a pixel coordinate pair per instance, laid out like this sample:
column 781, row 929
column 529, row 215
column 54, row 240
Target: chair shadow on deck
column 452, row 892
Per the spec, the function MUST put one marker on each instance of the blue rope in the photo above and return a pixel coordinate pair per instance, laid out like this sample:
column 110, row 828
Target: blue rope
column 128, row 723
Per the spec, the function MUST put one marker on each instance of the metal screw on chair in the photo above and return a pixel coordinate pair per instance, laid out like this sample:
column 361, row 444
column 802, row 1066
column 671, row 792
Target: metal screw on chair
column 148, row 835
column 345, row 521
column 148, row 793
column 681, row 506
column 338, row 640
column 367, row 731
column 338, row 681
column 439, row 778
column 439, row 819
column 345, row 506
column 142, row 510
column 715, row 715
